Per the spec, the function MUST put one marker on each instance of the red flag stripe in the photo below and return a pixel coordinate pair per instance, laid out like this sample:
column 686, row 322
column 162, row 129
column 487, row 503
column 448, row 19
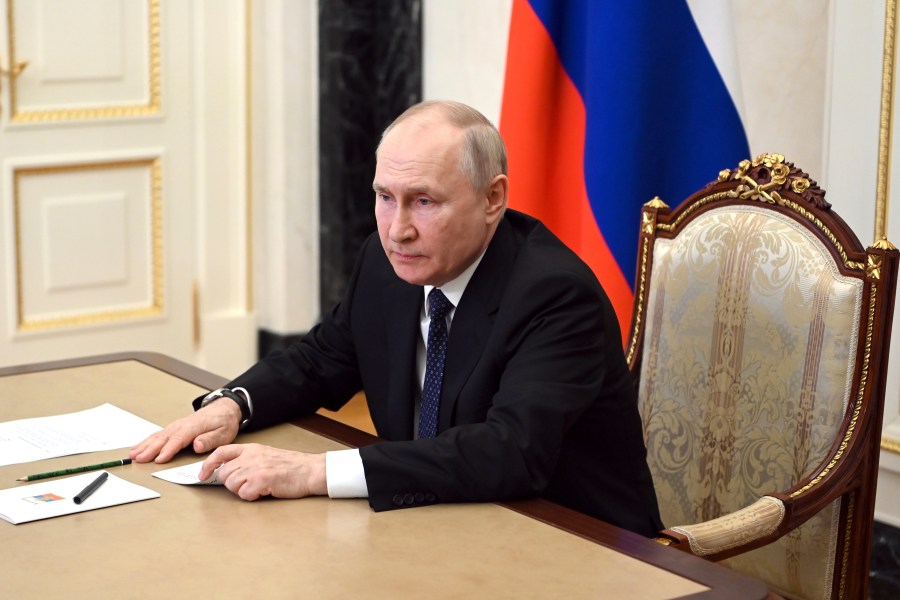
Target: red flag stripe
column 543, row 124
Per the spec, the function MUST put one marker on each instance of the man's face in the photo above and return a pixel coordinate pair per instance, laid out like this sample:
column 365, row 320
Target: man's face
column 432, row 223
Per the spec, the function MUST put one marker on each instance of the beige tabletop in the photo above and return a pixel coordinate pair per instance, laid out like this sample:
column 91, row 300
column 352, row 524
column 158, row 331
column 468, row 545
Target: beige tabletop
column 204, row 541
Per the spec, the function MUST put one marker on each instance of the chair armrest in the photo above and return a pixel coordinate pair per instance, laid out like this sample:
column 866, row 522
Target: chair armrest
column 735, row 529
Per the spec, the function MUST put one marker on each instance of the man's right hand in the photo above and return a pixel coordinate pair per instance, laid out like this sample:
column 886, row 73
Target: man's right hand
column 214, row 425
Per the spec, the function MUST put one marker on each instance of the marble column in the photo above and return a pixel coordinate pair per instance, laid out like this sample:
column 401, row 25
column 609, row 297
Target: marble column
column 370, row 70
column 884, row 572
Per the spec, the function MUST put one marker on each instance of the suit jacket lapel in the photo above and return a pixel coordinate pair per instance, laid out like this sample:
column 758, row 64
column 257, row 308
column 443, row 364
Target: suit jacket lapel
column 474, row 318
column 402, row 334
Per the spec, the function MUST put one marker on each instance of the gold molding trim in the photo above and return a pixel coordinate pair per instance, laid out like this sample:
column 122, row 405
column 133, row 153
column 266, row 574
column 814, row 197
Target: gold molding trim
column 850, row 264
column 656, row 202
column 750, row 190
column 743, row 189
column 890, row 444
column 638, row 315
column 845, row 555
column 670, row 227
column 156, row 305
column 889, row 61
column 873, row 266
column 884, row 244
column 152, row 107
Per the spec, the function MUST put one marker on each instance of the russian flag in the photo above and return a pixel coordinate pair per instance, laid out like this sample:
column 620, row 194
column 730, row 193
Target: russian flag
column 606, row 105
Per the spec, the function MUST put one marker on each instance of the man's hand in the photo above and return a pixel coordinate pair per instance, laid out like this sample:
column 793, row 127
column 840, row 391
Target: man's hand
column 252, row 471
column 212, row 426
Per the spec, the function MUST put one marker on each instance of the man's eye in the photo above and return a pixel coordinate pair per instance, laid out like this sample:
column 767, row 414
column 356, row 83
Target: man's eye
column 384, row 197
column 424, row 201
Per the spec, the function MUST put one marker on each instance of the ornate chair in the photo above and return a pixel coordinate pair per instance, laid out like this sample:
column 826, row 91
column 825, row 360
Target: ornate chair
column 759, row 344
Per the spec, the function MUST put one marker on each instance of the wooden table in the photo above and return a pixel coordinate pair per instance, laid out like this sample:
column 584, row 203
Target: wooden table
column 200, row 541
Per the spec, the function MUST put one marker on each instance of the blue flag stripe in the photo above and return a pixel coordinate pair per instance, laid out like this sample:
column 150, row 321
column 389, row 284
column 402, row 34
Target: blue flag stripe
column 660, row 121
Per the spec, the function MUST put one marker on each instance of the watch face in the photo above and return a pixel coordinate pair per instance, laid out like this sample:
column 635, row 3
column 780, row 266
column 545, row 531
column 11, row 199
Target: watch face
column 214, row 395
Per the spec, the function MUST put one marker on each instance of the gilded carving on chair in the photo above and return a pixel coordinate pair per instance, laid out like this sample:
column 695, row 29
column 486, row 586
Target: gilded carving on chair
column 768, row 174
column 740, row 302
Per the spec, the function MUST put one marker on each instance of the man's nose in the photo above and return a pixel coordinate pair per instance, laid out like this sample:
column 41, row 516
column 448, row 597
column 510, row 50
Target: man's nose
column 402, row 228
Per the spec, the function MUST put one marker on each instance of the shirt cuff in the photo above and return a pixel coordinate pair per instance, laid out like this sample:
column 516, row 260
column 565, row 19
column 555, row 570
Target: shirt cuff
column 345, row 475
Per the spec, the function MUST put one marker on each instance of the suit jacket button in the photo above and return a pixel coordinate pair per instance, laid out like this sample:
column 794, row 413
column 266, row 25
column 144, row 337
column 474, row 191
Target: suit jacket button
column 429, row 497
column 420, row 497
column 408, row 499
column 398, row 500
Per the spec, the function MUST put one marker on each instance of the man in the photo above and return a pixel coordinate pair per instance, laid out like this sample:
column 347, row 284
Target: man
column 527, row 395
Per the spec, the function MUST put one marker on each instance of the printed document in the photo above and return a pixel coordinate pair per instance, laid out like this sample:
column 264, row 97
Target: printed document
column 53, row 498
column 104, row 427
column 189, row 475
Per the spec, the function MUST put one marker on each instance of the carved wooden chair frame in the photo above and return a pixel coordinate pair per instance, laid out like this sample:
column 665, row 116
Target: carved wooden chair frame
column 850, row 469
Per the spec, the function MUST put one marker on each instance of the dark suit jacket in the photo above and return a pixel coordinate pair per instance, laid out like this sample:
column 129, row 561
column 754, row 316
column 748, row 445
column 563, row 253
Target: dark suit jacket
column 537, row 399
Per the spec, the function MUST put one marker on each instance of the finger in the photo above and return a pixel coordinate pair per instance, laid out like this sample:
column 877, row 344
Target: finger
column 208, row 469
column 219, row 458
column 172, row 446
column 211, row 440
column 144, row 444
column 144, row 455
column 248, row 484
column 226, row 453
column 248, row 491
column 234, row 479
column 147, row 450
column 213, row 478
column 137, row 450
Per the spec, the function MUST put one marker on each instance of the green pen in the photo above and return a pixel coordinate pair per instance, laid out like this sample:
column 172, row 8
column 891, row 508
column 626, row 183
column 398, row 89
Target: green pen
column 114, row 463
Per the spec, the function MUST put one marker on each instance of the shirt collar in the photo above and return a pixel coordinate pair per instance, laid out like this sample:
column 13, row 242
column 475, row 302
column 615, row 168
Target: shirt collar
column 454, row 289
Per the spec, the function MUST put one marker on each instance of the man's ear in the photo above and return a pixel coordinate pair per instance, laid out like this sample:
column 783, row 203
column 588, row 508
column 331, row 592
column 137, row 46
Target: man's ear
column 496, row 196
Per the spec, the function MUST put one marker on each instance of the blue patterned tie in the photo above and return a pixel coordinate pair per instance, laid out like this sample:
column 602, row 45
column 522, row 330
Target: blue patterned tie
column 435, row 353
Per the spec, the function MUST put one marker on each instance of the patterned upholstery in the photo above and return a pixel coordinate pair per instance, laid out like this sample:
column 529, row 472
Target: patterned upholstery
column 760, row 341
column 749, row 351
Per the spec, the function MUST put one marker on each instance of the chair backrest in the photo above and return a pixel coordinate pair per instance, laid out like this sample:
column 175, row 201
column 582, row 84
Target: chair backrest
column 760, row 338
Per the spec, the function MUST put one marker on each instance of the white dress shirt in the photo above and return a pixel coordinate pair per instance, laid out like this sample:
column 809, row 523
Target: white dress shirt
column 344, row 471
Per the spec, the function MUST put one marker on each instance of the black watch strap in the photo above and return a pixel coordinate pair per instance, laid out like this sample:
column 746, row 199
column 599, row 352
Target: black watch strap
column 239, row 399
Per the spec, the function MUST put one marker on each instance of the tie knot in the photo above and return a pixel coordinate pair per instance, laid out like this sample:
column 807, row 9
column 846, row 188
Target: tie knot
column 438, row 305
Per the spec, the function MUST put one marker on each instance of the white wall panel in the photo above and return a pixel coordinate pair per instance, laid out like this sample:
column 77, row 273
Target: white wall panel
column 87, row 255
column 86, row 243
column 86, row 58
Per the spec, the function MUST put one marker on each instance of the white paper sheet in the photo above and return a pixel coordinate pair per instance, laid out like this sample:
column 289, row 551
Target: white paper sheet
column 53, row 498
column 104, row 427
column 188, row 475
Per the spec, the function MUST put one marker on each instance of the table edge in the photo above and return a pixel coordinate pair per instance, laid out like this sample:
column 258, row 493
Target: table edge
column 682, row 564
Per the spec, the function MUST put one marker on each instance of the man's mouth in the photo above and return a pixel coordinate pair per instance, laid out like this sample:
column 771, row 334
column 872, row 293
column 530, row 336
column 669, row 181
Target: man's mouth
column 405, row 256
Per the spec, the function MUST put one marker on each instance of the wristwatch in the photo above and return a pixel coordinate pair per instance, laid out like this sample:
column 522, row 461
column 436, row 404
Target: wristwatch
column 239, row 395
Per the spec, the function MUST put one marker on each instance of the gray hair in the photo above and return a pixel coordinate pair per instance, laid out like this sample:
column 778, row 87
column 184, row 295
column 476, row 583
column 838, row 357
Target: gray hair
column 483, row 155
